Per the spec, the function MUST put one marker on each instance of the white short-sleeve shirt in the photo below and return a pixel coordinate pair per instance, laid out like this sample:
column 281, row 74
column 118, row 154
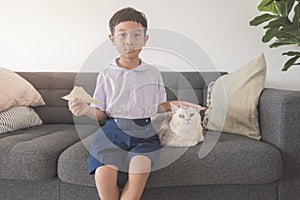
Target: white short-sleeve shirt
column 133, row 94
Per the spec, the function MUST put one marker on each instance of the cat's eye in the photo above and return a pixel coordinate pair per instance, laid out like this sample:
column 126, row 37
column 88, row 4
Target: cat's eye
column 181, row 116
column 191, row 115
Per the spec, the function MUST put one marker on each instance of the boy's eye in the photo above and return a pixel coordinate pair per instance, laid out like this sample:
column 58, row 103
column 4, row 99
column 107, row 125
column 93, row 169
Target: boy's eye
column 121, row 35
column 181, row 116
column 137, row 35
column 191, row 115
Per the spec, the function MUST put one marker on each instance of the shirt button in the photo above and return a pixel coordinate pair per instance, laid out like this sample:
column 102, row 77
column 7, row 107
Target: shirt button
column 147, row 120
column 115, row 120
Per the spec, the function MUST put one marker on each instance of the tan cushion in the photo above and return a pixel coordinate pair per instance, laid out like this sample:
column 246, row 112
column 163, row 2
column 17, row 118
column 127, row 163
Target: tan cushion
column 232, row 100
column 16, row 91
column 18, row 118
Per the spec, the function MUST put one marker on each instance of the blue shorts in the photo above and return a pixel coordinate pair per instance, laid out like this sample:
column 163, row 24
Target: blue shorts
column 121, row 139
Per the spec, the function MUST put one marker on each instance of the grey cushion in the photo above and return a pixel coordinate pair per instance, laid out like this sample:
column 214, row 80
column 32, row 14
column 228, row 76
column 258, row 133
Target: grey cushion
column 213, row 192
column 52, row 86
column 188, row 86
column 234, row 160
column 72, row 165
column 31, row 154
column 203, row 192
column 29, row 190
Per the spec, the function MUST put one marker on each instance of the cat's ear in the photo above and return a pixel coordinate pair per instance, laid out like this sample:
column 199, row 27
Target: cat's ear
column 174, row 108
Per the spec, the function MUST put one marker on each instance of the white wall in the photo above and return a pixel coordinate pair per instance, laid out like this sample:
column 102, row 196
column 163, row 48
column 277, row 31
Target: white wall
column 59, row 35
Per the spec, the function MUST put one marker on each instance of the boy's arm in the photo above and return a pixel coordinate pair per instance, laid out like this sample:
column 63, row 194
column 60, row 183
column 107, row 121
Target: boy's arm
column 97, row 114
column 79, row 108
column 166, row 106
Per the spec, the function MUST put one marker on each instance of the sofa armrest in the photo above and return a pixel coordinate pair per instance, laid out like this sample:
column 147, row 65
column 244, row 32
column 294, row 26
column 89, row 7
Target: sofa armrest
column 279, row 112
column 279, row 119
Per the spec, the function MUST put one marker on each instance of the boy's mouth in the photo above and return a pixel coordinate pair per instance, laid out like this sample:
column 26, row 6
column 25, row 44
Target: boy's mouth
column 129, row 50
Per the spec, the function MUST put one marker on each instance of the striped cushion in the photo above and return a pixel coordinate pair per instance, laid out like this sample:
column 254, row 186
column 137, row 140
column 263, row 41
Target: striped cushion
column 16, row 118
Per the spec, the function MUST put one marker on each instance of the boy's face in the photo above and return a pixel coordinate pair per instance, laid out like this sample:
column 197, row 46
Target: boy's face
column 129, row 39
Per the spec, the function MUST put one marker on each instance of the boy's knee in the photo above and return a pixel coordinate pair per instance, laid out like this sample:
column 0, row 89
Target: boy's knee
column 108, row 170
column 140, row 164
column 106, row 175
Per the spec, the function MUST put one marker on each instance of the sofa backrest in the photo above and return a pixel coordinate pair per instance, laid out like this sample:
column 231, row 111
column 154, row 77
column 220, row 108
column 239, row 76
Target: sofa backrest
column 187, row 86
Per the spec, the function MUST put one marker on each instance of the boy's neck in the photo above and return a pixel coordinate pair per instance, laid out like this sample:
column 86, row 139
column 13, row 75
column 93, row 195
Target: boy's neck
column 128, row 63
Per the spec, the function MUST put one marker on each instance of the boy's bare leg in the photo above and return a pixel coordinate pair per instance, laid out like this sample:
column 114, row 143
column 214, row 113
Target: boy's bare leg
column 139, row 171
column 106, row 182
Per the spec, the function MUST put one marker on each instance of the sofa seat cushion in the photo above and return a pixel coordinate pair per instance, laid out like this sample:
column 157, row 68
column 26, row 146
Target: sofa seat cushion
column 234, row 160
column 32, row 154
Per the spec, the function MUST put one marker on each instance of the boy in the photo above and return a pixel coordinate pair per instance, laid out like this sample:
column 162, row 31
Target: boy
column 132, row 92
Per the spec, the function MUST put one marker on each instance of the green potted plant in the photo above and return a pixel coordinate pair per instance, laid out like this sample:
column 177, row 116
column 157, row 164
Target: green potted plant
column 283, row 17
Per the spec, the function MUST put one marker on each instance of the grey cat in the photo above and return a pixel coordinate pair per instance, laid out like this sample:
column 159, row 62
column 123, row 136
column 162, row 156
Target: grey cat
column 180, row 127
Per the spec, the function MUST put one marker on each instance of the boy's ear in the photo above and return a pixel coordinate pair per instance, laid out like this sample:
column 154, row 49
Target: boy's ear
column 146, row 39
column 112, row 39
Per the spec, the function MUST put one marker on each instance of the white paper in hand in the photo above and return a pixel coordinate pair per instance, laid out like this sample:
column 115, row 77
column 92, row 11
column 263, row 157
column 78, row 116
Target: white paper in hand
column 80, row 93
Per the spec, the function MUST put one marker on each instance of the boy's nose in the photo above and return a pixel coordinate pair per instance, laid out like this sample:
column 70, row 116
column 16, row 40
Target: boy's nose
column 129, row 41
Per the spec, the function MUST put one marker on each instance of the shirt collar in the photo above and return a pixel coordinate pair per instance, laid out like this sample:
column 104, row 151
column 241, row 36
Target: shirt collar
column 143, row 66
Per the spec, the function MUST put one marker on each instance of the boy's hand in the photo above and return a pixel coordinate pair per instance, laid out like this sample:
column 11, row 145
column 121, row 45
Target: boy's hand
column 78, row 107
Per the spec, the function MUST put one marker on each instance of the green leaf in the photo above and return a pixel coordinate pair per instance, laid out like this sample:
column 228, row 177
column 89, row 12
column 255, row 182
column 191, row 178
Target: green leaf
column 261, row 19
column 291, row 53
column 281, row 21
column 270, row 34
column 281, row 5
column 296, row 19
column 285, row 30
column 290, row 4
column 292, row 28
column 285, row 6
column 290, row 62
column 290, row 32
column 269, row 2
column 268, row 5
column 281, row 43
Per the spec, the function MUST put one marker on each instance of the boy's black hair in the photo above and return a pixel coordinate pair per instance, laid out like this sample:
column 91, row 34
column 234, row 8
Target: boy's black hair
column 127, row 14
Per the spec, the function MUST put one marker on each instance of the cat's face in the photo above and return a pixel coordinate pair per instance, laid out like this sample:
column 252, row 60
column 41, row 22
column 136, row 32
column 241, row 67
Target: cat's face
column 185, row 115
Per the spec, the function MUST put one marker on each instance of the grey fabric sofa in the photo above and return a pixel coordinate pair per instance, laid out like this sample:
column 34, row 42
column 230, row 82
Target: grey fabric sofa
column 48, row 162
